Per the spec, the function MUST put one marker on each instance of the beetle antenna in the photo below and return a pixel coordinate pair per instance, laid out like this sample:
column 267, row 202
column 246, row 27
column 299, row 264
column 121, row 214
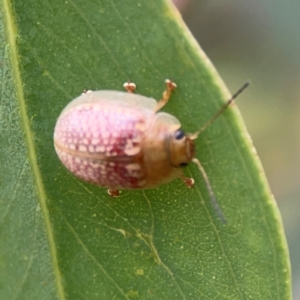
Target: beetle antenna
column 220, row 111
column 213, row 199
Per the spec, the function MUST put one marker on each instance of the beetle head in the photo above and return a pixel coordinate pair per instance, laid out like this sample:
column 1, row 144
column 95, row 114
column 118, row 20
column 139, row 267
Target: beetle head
column 182, row 149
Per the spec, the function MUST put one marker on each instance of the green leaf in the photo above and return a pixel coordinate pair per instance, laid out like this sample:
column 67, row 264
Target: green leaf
column 65, row 239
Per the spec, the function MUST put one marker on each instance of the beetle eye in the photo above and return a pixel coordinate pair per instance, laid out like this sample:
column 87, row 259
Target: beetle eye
column 183, row 165
column 179, row 134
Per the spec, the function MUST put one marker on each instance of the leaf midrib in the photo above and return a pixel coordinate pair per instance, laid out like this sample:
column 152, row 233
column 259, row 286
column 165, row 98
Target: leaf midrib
column 11, row 32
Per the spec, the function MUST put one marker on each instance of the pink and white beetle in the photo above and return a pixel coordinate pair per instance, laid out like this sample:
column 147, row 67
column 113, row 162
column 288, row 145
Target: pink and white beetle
column 120, row 140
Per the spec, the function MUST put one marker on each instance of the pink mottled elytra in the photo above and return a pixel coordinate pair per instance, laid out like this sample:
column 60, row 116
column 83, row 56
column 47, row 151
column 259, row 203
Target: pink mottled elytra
column 120, row 140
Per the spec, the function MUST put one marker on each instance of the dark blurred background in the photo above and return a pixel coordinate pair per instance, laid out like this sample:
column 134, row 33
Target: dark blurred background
column 259, row 40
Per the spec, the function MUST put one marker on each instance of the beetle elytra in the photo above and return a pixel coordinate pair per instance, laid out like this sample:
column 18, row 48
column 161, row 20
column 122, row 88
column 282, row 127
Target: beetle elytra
column 121, row 141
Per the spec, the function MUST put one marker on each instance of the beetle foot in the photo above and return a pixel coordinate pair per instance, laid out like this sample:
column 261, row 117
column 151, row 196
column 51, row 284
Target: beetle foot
column 86, row 92
column 129, row 86
column 171, row 85
column 113, row 193
column 189, row 182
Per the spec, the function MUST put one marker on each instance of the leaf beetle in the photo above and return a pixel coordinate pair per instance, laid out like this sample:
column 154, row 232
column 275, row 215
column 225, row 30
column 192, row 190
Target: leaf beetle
column 121, row 140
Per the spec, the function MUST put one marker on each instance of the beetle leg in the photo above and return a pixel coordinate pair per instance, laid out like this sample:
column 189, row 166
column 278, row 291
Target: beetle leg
column 129, row 86
column 113, row 193
column 170, row 86
column 189, row 182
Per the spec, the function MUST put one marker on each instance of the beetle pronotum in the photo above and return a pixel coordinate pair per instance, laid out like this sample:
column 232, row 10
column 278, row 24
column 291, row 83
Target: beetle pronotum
column 120, row 140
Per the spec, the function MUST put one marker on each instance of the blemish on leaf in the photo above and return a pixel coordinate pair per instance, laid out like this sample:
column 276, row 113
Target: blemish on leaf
column 139, row 272
column 133, row 294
